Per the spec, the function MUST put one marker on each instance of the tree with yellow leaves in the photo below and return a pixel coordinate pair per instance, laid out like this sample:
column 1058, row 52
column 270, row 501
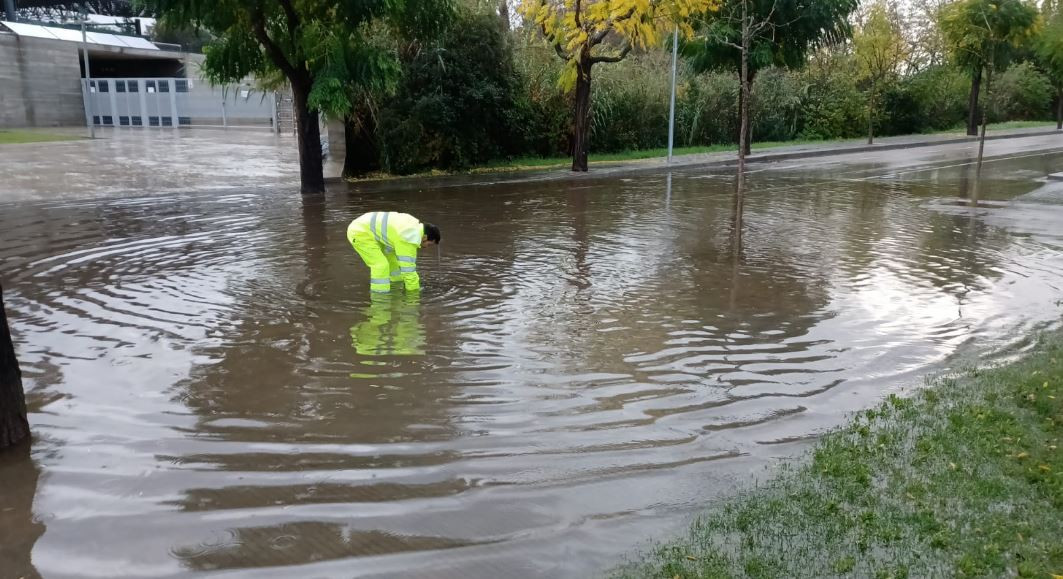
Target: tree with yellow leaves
column 588, row 32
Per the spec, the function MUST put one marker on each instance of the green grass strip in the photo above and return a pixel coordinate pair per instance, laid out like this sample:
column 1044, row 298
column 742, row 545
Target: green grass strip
column 533, row 163
column 964, row 479
column 23, row 137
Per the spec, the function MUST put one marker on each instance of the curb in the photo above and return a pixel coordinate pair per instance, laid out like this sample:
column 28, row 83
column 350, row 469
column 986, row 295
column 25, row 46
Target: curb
column 769, row 157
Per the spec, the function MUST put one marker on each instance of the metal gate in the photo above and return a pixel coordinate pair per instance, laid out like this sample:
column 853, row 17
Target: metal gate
column 176, row 102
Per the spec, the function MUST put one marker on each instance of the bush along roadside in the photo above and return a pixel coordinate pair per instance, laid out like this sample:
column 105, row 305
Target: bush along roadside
column 964, row 479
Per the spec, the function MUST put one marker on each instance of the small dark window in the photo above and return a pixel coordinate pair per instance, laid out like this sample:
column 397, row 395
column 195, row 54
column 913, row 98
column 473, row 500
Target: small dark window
column 108, row 120
column 119, row 86
column 167, row 121
column 138, row 121
column 164, row 86
column 149, row 86
column 134, row 86
column 184, row 121
column 103, row 86
column 124, row 121
column 153, row 121
column 95, row 120
column 180, row 86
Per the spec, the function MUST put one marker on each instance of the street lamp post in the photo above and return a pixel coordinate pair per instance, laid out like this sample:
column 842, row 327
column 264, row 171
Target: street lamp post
column 671, row 110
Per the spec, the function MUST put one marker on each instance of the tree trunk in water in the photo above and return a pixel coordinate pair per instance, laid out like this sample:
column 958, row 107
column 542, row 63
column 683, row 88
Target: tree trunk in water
column 582, row 111
column 14, row 426
column 311, row 169
column 972, row 103
column 362, row 154
column 981, row 140
column 743, row 109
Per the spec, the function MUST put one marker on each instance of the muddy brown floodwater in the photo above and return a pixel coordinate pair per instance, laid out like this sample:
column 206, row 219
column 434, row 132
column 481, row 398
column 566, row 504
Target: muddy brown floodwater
column 213, row 392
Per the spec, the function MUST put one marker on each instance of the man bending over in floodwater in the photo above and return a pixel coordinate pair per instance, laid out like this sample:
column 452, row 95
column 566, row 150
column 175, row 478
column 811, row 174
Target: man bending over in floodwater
column 388, row 242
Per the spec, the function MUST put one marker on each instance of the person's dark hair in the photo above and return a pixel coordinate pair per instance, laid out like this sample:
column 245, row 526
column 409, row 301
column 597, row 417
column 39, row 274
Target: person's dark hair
column 432, row 232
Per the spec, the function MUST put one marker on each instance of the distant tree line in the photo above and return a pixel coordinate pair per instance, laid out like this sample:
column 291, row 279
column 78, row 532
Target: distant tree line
column 432, row 84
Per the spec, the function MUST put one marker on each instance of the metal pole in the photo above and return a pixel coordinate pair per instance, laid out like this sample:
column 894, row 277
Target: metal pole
column 88, row 82
column 671, row 110
column 275, row 128
column 9, row 9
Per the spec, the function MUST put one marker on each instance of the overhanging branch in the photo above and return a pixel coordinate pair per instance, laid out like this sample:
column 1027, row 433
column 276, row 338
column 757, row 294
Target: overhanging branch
column 258, row 25
column 616, row 58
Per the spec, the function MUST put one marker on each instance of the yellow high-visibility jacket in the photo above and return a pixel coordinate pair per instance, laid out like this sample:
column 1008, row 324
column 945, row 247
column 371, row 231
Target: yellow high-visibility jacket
column 397, row 233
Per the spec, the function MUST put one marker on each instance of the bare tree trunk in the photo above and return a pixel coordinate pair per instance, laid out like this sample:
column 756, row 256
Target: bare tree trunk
column 871, row 116
column 751, row 76
column 972, row 103
column 985, row 120
column 311, row 169
column 1059, row 110
column 743, row 105
column 14, row 426
column 743, row 96
column 582, row 114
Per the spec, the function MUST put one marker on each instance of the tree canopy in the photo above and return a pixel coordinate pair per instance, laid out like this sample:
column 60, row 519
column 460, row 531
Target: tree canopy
column 793, row 27
column 984, row 33
column 595, row 31
column 327, row 50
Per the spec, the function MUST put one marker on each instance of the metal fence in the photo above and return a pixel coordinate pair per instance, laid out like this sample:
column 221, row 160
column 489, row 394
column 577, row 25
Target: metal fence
column 176, row 102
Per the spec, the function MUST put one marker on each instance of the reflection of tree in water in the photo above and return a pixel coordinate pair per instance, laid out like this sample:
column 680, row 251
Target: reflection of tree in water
column 19, row 527
column 302, row 543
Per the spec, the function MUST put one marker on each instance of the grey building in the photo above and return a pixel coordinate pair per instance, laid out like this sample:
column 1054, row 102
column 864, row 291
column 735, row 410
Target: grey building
column 135, row 83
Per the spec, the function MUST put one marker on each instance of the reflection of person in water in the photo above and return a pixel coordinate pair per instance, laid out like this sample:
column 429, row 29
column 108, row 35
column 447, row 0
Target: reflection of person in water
column 392, row 327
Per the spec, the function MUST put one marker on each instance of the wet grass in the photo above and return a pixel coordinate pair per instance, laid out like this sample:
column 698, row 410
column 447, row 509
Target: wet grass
column 540, row 162
column 12, row 137
column 963, row 479
column 1010, row 125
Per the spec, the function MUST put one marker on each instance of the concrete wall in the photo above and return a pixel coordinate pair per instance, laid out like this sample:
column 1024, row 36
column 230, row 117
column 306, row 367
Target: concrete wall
column 40, row 86
column 40, row 83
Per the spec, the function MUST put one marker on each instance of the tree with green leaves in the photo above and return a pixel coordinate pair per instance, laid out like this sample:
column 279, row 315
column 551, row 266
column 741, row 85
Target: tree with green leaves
column 322, row 48
column 981, row 36
column 1049, row 51
column 880, row 50
column 780, row 33
column 455, row 103
column 584, row 33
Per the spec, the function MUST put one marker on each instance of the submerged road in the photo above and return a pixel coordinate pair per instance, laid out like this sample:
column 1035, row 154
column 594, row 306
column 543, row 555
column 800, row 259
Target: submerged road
column 591, row 362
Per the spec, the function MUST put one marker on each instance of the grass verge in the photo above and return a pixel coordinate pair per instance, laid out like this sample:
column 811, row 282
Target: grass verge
column 963, row 479
column 8, row 137
column 532, row 163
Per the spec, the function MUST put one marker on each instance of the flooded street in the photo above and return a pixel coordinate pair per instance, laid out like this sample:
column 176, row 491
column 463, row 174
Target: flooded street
column 591, row 360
